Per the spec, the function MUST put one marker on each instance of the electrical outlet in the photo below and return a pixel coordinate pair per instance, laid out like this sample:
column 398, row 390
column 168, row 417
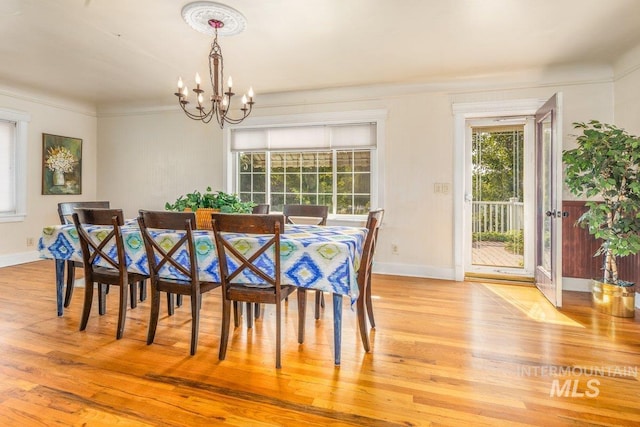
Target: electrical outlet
column 394, row 249
column 30, row 241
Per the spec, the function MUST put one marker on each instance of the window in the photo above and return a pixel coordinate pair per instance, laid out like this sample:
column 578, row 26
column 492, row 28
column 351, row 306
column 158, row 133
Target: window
column 13, row 167
column 327, row 164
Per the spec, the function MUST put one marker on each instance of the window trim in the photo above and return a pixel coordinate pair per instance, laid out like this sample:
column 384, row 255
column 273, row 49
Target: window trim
column 21, row 119
column 317, row 119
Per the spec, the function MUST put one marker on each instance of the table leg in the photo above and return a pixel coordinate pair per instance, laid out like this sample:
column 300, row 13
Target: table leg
column 59, row 284
column 302, row 305
column 337, row 326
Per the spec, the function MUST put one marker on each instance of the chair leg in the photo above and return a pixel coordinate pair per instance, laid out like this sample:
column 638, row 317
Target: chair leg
column 337, row 326
column 319, row 303
column 224, row 333
column 257, row 310
column 155, row 313
column 196, row 298
column 278, row 333
column 178, row 300
column 86, row 308
column 170, row 307
column 362, row 322
column 71, row 277
column 143, row 290
column 249, row 315
column 369, row 303
column 133, row 291
column 103, row 290
column 302, row 308
column 122, row 309
column 237, row 312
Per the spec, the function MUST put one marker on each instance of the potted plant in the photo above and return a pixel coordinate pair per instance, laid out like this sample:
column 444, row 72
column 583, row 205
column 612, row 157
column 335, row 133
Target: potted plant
column 606, row 164
column 203, row 204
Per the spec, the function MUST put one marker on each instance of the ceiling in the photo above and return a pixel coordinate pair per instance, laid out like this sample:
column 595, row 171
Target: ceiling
column 108, row 52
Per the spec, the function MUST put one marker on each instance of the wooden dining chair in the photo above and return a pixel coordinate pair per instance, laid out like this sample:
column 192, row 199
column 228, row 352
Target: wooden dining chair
column 233, row 262
column 65, row 212
column 261, row 209
column 186, row 281
column 364, row 303
column 94, row 250
column 317, row 215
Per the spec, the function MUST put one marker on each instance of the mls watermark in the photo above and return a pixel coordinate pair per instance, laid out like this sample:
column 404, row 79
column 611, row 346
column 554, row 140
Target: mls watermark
column 584, row 381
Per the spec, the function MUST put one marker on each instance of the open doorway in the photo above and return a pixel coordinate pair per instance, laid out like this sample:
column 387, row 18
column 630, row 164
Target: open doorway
column 500, row 195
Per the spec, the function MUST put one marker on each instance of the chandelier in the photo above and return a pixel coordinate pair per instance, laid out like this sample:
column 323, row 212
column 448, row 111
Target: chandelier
column 207, row 17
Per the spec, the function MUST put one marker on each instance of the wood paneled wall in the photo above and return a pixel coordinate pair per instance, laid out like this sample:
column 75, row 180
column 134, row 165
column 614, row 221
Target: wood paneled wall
column 578, row 247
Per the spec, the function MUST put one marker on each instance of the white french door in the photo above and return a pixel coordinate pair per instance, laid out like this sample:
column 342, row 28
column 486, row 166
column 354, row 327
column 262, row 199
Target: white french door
column 548, row 250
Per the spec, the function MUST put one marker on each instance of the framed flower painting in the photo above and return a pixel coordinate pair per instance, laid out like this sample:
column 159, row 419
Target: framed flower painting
column 61, row 164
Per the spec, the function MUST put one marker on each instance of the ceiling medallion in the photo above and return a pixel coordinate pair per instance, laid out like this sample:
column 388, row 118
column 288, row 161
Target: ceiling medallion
column 199, row 13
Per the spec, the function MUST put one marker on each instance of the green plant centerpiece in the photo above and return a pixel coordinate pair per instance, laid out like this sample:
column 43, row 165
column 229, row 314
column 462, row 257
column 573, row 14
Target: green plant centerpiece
column 606, row 164
column 224, row 202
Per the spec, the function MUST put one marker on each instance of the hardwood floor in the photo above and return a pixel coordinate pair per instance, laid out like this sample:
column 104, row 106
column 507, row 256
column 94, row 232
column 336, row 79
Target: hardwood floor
column 443, row 353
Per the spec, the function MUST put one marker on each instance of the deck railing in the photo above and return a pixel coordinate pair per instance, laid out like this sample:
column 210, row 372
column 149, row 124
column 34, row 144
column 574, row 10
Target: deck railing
column 497, row 217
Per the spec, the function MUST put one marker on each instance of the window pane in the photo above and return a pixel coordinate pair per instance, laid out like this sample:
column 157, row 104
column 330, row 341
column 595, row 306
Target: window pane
column 326, row 183
column 292, row 162
column 362, row 183
column 326, row 199
column 245, row 162
column 345, row 183
column 292, row 183
column 277, row 182
column 362, row 205
column 309, row 162
column 309, row 183
column 259, row 181
column 277, row 202
column 259, row 198
column 308, row 199
column 325, row 162
column 362, row 161
column 277, row 162
column 344, row 204
column 259, row 162
column 292, row 199
column 345, row 160
column 245, row 182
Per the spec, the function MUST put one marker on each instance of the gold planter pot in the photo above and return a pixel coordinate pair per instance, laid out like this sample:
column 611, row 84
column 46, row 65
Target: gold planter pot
column 619, row 301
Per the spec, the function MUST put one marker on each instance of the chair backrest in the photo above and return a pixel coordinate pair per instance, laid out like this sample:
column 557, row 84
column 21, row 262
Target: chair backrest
column 66, row 209
column 94, row 249
column 261, row 209
column 319, row 212
column 374, row 220
column 184, row 248
column 252, row 264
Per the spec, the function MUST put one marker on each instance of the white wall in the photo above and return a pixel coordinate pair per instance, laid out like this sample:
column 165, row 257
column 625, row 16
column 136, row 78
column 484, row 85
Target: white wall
column 627, row 91
column 58, row 117
column 147, row 159
column 419, row 152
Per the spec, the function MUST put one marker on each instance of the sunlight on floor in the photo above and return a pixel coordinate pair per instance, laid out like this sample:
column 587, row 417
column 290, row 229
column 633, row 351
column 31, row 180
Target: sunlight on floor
column 531, row 302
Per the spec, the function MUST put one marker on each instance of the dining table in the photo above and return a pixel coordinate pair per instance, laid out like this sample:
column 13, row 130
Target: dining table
column 324, row 258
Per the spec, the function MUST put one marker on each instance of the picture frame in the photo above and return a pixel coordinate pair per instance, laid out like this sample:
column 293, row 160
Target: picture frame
column 61, row 165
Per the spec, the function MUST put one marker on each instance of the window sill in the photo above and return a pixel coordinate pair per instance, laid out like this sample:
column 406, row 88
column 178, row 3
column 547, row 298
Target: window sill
column 12, row 217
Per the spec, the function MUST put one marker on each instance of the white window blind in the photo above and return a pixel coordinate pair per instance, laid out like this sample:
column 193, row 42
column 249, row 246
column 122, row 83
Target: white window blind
column 7, row 167
column 359, row 135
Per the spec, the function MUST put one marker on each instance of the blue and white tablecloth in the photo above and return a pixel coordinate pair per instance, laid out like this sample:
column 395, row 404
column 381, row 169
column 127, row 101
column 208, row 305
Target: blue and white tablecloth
column 314, row 257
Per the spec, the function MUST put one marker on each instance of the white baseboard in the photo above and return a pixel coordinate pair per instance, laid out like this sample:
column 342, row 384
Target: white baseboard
column 414, row 270
column 19, row 258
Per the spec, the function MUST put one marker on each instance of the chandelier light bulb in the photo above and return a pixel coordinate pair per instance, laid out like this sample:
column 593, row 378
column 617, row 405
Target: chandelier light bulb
column 197, row 79
column 230, row 82
column 200, row 99
column 180, row 84
column 250, row 93
column 244, row 99
column 185, row 92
